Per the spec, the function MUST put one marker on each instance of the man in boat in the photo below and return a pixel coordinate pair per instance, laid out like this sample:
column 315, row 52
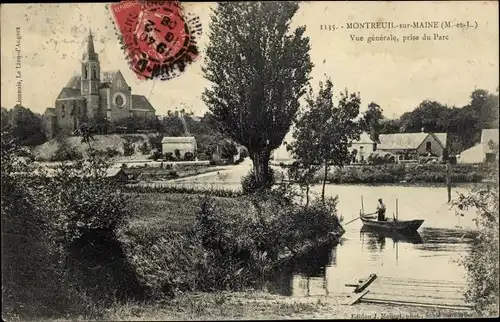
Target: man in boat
column 381, row 210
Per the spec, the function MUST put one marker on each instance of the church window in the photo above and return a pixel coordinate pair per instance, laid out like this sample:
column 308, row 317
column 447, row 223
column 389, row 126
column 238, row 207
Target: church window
column 86, row 72
column 63, row 111
column 94, row 73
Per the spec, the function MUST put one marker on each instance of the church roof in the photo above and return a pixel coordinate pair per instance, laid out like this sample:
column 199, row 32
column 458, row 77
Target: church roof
column 50, row 111
column 108, row 76
column 68, row 92
column 74, row 82
column 140, row 102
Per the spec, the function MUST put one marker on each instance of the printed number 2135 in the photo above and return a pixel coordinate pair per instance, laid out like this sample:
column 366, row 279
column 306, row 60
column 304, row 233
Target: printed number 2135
column 328, row 27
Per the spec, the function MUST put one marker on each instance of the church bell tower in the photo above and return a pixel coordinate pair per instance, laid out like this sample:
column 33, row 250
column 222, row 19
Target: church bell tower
column 90, row 83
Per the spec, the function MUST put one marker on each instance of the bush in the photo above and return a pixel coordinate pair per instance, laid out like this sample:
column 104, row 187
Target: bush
column 249, row 184
column 177, row 154
column 481, row 263
column 144, row 148
column 188, row 156
column 112, row 152
column 169, row 156
column 128, row 148
column 155, row 156
column 66, row 153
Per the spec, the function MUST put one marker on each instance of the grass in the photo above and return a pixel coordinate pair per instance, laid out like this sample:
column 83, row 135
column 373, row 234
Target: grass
column 259, row 305
column 173, row 211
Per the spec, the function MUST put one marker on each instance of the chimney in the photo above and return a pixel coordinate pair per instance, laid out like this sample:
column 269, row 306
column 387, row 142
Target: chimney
column 422, row 129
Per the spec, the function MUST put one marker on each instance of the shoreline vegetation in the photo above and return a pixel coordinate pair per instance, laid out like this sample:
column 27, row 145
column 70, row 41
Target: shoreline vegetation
column 407, row 174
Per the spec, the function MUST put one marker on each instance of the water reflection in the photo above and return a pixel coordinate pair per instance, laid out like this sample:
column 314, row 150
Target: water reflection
column 412, row 237
column 325, row 270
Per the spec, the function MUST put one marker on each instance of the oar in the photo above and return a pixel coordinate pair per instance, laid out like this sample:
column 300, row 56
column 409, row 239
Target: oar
column 357, row 218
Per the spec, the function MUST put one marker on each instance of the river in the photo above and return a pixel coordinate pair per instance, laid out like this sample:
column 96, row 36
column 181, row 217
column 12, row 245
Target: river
column 443, row 239
column 431, row 254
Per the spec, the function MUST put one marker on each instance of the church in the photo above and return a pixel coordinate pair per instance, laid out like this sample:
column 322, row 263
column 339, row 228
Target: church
column 94, row 94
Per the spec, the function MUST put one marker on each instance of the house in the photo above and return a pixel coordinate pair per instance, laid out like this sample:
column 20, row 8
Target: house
column 362, row 148
column 117, row 175
column 184, row 144
column 481, row 152
column 410, row 146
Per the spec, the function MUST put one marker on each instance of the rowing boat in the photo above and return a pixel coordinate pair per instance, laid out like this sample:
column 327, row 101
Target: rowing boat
column 404, row 236
column 395, row 225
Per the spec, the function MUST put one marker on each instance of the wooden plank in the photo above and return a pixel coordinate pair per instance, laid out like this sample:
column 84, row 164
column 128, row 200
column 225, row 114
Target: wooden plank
column 381, row 281
column 438, row 306
column 430, row 295
column 355, row 298
column 423, row 281
column 419, row 288
column 351, row 285
column 398, row 288
column 419, row 299
column 365, row 283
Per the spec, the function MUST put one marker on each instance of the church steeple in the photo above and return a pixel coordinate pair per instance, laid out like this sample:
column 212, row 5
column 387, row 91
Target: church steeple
column 90, row 53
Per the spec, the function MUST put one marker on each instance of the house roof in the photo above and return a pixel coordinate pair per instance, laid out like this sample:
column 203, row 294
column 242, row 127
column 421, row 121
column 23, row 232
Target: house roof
column 442, row 137
column 407, row 141
column 141, row 103
column 111, row 172
column 396, row 141
column 178, row 139
column 364, row 138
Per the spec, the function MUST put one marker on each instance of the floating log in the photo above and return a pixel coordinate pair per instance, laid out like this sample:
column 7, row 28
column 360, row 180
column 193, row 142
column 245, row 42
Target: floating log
column 351, row 285
column 407, row 303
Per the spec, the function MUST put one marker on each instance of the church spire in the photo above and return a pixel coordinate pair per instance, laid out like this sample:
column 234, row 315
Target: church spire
column 90, row 53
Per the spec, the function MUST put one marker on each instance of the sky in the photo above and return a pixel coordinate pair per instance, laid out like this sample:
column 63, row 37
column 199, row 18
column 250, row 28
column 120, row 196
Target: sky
column 397, row 76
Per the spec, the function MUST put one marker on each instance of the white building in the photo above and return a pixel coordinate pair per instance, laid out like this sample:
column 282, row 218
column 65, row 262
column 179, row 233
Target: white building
column 183, row 143
column 363, row 147
column 481, row 152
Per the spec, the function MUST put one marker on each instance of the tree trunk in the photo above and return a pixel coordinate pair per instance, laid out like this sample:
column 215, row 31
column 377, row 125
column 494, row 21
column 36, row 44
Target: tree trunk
column 448, row 180
column 261, row 168
column 307, row 195
column 324, row 181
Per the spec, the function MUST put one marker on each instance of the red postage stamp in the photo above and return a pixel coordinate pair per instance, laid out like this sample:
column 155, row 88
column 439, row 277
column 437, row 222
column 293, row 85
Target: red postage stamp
column 158, row 40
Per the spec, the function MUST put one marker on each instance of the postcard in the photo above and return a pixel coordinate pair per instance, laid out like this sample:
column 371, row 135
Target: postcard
column 172, row 160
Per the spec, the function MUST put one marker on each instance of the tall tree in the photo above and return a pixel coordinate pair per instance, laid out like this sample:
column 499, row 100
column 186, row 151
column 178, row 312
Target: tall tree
column 371, row 120
column 485, row 105
column 26, row 126
column 324, row 132
column 259, row 69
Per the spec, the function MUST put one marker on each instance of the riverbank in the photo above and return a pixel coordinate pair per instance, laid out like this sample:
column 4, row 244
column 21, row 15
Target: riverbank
column 404, row 173
column 262, row 305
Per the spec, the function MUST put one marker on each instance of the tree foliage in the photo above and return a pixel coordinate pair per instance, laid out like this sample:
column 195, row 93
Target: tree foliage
column 258, row 68
column 482, row 264
column 323, row 132
column 370, row 122
column 24, row 125
column 463, row 124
